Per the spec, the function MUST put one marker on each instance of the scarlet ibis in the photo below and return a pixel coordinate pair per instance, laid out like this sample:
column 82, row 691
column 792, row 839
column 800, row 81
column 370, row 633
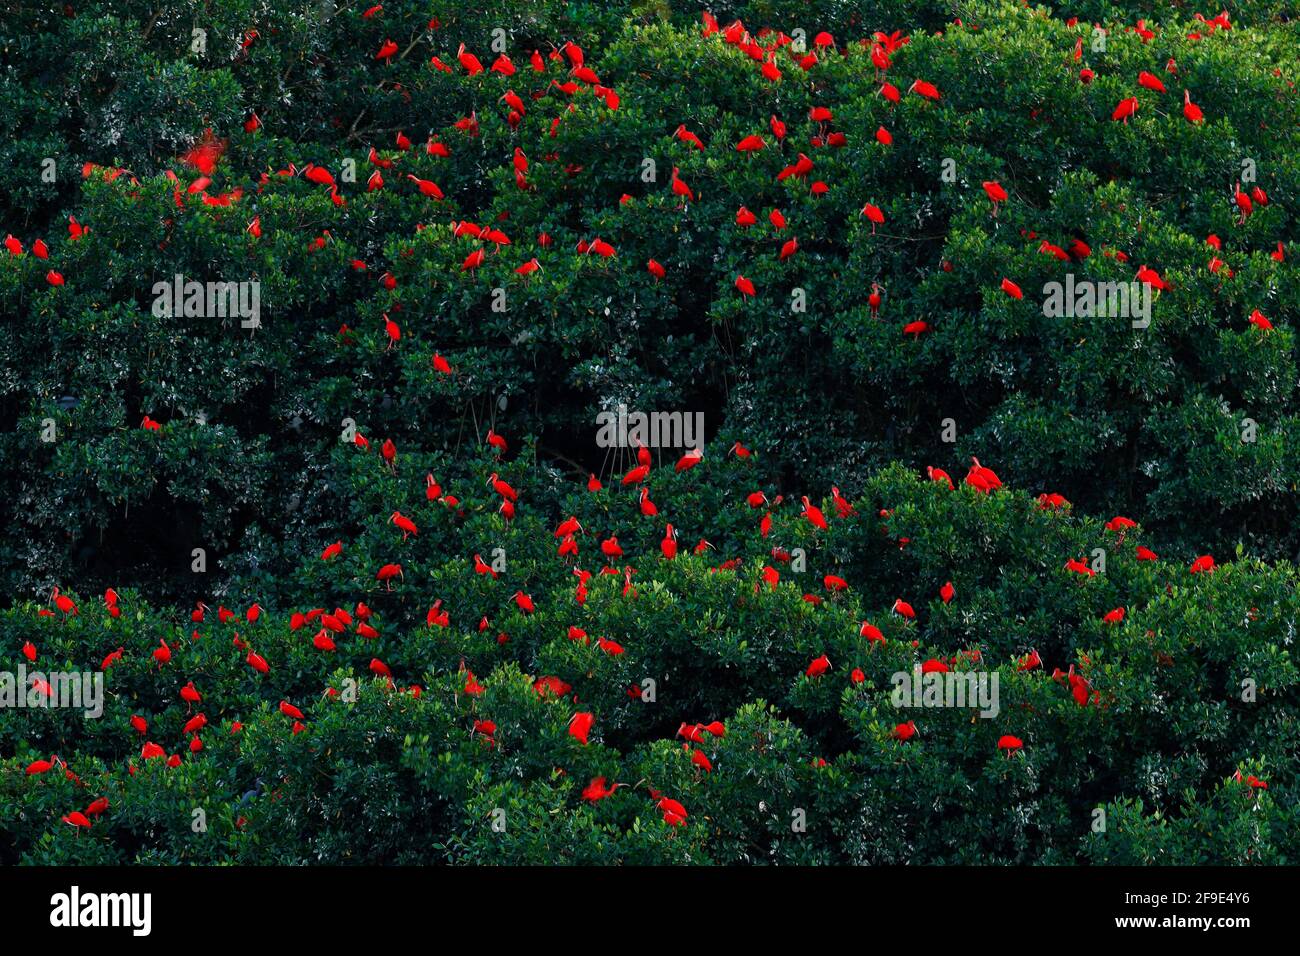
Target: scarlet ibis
column 469, row 61
column 668, row 546
column 648, row 507
column 874, row 215
column 1125, row 109
column 427, row 187
column 982, row 479
column 404, row 523
column 819, row 666
column 922, row 88
column 501, row 488
column 1150, row 81
column 64, row 603
column 580, row 725
column 995, row 192
column 679, row 187
column 938, row 474
column 813, row 514
column 686, row 136
column 597, row 790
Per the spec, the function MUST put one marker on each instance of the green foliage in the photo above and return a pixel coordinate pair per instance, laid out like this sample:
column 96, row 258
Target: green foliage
column 1189, row 426
column 462, row 758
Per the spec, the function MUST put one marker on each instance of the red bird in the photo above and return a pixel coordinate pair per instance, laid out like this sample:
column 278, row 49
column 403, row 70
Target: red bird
column 289, row 710
column 668, row 546
column 580, row 726
column 982, row 479
column 813, row 514
column 689, row 460
column 597, row 790
column 996, row 194
column 501, row 488
column 63, row 603
column 636, row 475
column 819, row 666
